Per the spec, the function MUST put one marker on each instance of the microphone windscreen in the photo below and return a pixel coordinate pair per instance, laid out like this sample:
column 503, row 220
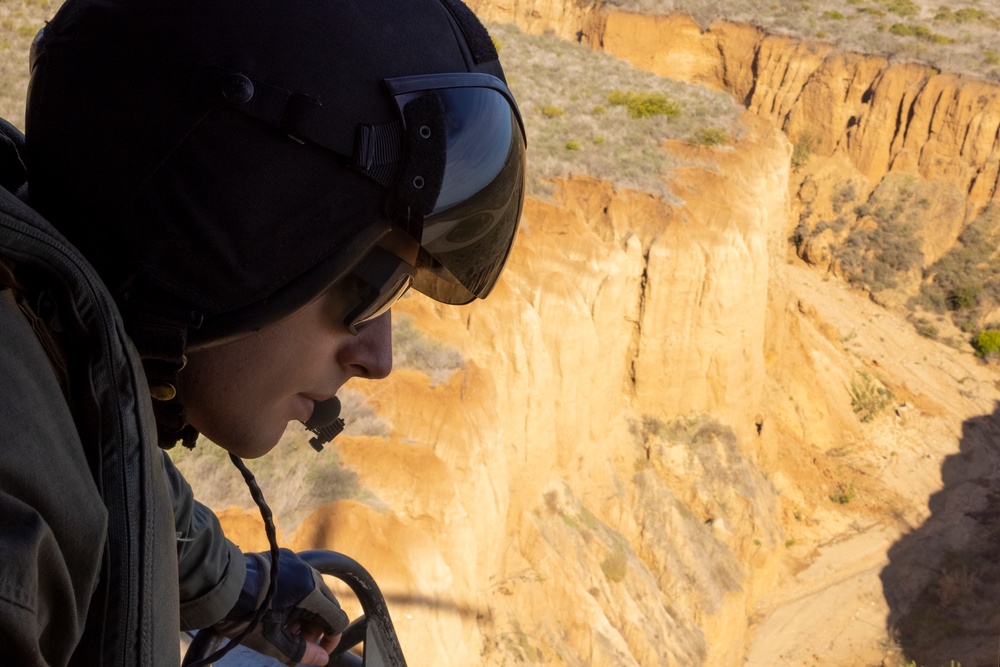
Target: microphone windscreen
column 324, row 413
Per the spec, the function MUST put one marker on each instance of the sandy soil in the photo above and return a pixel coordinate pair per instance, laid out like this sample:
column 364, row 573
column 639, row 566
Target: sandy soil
column 902, row 573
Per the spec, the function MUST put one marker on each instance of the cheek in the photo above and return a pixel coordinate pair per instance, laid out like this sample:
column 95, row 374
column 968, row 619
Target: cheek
column 233, row 378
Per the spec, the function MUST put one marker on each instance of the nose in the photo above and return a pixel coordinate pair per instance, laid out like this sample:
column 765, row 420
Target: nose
column 369, row 354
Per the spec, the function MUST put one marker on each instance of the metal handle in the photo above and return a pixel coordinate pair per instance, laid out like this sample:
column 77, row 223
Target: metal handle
column 373, row 630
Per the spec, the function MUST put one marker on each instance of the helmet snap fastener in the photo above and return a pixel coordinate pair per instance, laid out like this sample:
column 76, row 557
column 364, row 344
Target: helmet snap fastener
column 425, row 132
column 237, row 89
column 162, row 391
column 418, row 182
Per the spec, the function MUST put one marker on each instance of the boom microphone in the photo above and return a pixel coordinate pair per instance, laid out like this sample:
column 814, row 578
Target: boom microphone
column 325, row 422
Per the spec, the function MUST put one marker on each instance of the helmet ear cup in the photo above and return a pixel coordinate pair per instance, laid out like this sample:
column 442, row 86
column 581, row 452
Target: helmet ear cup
column 424, row 154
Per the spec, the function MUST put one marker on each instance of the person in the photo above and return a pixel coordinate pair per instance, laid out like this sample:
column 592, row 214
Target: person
column 203, row 228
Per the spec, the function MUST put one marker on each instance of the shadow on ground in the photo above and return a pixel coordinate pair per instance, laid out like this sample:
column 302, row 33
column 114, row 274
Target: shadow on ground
column 942, row 582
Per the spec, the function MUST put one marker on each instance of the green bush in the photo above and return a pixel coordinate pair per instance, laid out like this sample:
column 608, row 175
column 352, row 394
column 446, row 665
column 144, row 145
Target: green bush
column 710, row 136
column 964, row 15
column 920, row 32
column 802, row 151
column 572, row 145
column 987, row 343
column 868, row 397
column 843, row 494
column 964, row 296
column 645, row 105
column 833, row 15
column 614, row 567
column 901, row 7
column 552, row 111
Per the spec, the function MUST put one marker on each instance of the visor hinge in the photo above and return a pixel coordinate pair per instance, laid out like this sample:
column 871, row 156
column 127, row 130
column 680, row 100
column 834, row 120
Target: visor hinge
column 377, row 151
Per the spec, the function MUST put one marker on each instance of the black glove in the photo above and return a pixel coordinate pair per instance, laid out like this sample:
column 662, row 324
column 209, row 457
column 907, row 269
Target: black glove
column 301, row 595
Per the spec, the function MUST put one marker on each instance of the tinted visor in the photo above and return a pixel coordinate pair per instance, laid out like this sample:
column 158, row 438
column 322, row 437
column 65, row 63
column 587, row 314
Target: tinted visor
column 462, row 184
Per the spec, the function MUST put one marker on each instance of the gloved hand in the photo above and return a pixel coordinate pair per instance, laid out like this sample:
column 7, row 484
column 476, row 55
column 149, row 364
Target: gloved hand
column 304, row 621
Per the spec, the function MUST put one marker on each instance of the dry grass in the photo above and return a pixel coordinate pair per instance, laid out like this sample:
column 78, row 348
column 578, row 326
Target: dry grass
column 587, row 112
column 412, row 349
column 295, row 479
column 20, row 21
column 960, row 36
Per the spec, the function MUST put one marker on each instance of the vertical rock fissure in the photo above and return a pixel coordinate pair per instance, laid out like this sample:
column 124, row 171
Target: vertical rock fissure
column 934, row 113
column 910, row 113
column 754, row 72
column 637, row 330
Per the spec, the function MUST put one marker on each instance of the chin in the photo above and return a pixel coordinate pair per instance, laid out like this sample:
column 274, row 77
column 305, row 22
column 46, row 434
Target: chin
column 252, row 445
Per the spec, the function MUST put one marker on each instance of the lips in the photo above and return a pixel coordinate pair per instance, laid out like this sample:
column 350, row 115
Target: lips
column 304, row 407
column 318, row 401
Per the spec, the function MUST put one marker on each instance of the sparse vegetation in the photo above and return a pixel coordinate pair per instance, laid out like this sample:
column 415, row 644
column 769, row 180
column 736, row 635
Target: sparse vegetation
column 552, row 111
column 20, row 21
column 802, row 151
column 614, row 117
column 920, row 32
column 412, row 349
column 711, row 136
column 869, row 397
column 295, row 479
column 613, row 567
column 966, row 281
column 925, row 328
column 987, row 344
column 954, row 37
column 842, row 495
column 878, row 247
column 645, row 104
column 844, row 195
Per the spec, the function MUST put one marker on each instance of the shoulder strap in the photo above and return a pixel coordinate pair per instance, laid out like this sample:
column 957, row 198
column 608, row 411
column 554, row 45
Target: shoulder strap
column 108, row 385
column 12, row 171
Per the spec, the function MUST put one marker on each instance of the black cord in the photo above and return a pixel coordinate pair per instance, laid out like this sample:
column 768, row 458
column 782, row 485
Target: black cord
column 272, row 540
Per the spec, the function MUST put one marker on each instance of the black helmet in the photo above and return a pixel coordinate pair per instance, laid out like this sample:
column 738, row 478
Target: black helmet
column 222, row 162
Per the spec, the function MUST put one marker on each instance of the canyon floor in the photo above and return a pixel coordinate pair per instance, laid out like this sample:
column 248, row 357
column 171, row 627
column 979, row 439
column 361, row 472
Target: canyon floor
column 908, row 551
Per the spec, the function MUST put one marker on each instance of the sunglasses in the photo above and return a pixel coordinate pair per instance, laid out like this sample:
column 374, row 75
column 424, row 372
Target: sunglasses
column 381, row 278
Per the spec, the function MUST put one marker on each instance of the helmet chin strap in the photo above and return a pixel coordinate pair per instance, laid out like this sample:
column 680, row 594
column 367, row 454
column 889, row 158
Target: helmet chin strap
column 159, row 331
column 325, row 423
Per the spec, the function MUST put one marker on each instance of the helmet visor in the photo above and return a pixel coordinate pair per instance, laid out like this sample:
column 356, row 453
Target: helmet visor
column 470, row 201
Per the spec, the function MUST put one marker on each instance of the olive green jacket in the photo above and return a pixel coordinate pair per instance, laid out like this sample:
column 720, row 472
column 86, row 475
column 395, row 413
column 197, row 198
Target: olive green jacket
column 104, row 554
